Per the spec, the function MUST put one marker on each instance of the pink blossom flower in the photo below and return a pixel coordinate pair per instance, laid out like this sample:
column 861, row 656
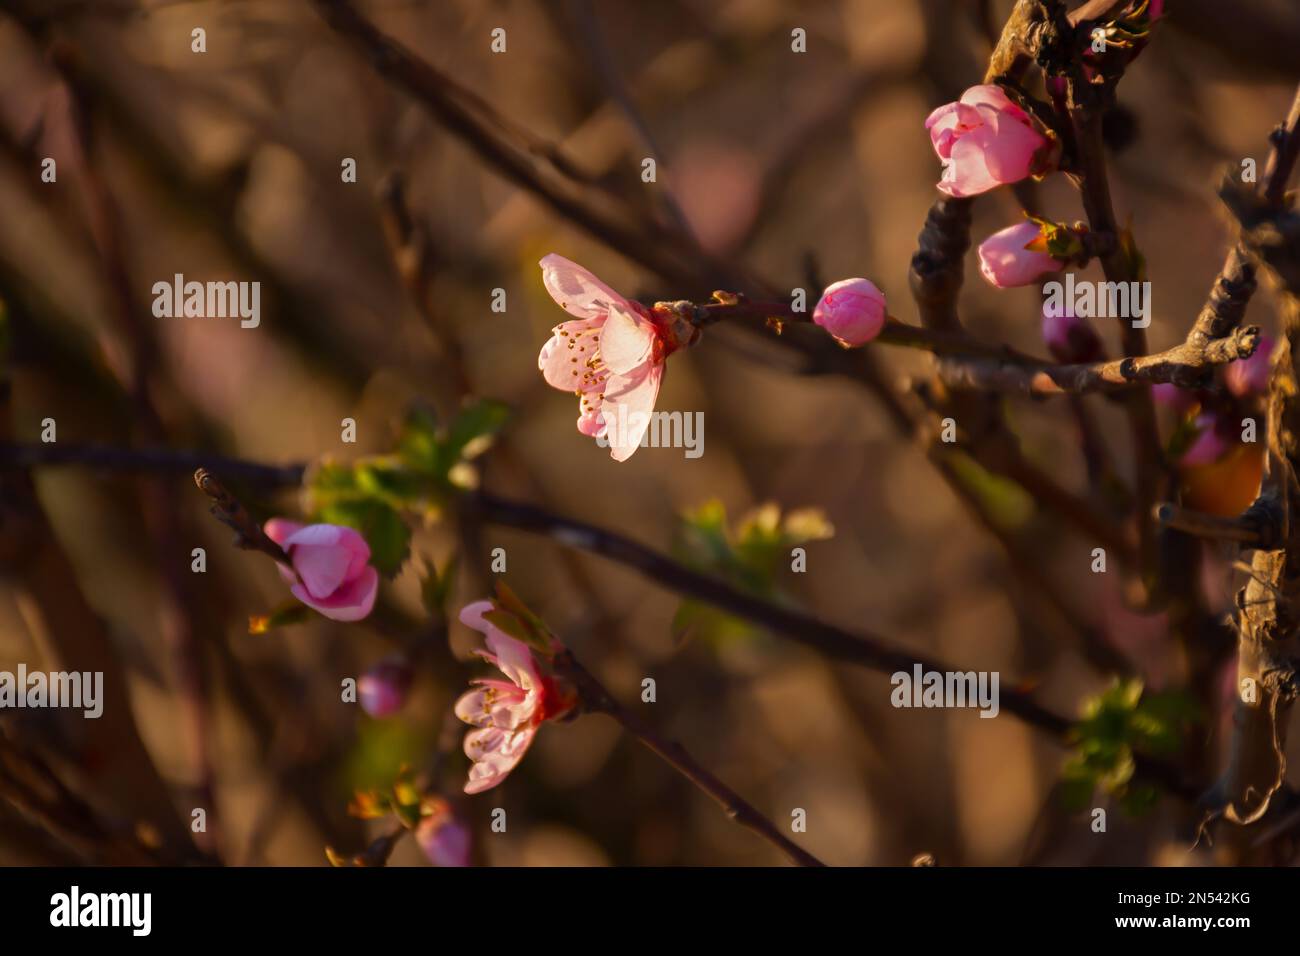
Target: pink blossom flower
column 1069, row 338
column 444, row 839
column 985, row 140
column 331, row 571
column 611, row 356
column 382, row 690
column 1156, row 10
column 852, row 310
column 1006, row 262
column 507, row 712
column 1249, row 376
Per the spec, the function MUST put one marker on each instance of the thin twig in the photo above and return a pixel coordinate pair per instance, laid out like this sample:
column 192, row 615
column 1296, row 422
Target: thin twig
column 227, row 509
column 16, row 455
column 1258, row 527
column 595, row 698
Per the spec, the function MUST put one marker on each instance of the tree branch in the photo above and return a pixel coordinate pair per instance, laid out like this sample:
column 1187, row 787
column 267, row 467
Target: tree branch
column 866, row 650
column 1188, row 365
column 597, row 699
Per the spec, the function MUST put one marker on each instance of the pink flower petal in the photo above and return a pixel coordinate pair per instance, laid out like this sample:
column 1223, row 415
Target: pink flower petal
column 514, row 658
column 576, row 290
column 993, row 96
column 1009, row 152
column 629, row 400
column 626, row 341
column 495, row 753
column 351, row 602
column 968, row 174
column 564, row 357
column 280, row 530
column 322, row 568
column 494, row 704
column 330, row 535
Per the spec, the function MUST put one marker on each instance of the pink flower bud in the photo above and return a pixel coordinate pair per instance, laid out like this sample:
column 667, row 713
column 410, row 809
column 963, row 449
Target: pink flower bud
column 1215, row 439
column 1005, row 262
column 852, row 310
column 1069, row 338
column 443, row 838
column 331, row 571
column 985, row 140
column 382, row 689
column 1249, row 376
column 1173, row 397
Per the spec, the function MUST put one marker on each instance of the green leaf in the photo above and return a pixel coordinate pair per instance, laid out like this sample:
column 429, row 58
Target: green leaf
column 472, row 432
column 386, row 478
column 419, row 444
column 750, row 558
column 331, row 480
column 1119, row 723
column 380, row 524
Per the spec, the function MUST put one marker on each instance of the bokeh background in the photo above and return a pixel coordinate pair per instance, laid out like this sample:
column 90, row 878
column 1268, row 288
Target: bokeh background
column 226, row 165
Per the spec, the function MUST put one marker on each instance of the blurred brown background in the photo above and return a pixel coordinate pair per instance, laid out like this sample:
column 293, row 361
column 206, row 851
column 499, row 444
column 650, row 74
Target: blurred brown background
column 225, row 165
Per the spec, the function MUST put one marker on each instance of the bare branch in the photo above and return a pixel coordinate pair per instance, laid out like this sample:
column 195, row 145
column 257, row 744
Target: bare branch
column 597, row 699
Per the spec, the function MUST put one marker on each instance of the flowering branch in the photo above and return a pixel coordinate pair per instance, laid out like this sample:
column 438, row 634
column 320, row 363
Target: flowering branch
column 865, row 650
column 973, row 364
column 735, row 306
column 535, row 167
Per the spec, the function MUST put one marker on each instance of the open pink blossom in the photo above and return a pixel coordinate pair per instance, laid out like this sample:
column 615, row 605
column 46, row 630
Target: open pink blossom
column 611, row 356
column 331, row 571
column 852, row 310
column 1249, row 376
column 507, row 712
column 444, row 839
column 1005, row 262
column 985, row 141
